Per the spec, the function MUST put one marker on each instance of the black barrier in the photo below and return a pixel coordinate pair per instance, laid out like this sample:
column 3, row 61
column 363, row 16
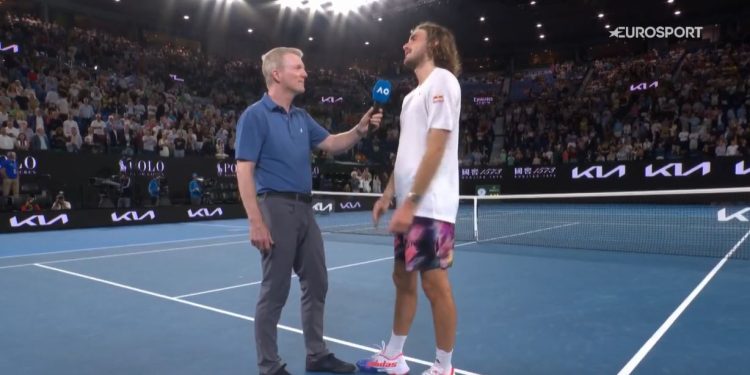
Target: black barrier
column 12, row 222
column 604, row 177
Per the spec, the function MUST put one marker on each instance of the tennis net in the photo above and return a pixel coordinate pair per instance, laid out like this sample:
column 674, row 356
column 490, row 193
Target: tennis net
column 697, row 222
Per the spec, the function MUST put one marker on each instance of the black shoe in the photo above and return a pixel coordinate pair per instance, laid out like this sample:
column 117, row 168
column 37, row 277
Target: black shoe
column 330, row 363
column 282, row 371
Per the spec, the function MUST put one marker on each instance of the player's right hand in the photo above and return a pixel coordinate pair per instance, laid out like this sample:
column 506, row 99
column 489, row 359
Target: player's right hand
column 260, row 237
column 380, row 208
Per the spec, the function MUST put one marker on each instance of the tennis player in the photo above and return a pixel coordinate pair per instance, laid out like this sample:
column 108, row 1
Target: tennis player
column 425, row 182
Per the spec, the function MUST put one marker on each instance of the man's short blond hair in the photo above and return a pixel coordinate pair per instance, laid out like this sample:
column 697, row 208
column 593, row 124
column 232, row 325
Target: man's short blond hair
column 273, row 59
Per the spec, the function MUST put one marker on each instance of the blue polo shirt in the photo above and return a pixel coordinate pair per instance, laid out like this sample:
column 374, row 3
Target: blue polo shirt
column 280, row 144
column 11, row 168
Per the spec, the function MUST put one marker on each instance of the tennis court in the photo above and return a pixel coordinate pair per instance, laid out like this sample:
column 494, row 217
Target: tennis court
column 666, row 297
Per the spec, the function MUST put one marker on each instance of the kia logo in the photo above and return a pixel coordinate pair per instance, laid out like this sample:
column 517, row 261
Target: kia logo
column 204, row 212
column 38, row 220
column 133, row 216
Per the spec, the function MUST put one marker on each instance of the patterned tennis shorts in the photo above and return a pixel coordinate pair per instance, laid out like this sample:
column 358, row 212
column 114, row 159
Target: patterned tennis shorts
column 427, row 245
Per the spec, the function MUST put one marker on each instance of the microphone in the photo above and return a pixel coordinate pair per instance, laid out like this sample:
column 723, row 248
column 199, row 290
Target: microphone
column 381, row 93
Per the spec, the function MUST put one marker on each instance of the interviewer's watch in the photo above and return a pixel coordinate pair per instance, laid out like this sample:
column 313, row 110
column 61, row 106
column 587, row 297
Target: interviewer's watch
column 414, row 197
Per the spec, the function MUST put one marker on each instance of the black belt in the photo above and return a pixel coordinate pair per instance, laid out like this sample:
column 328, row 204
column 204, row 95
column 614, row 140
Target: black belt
column 306, row 198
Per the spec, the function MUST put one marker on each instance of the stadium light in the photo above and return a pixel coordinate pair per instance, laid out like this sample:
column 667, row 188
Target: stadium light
column 335, row 6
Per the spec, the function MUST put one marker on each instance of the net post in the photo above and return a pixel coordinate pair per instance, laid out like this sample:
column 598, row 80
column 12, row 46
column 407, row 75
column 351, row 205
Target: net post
column 476, row 220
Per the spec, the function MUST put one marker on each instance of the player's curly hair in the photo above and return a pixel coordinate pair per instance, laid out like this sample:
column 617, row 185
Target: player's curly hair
column 441, row 46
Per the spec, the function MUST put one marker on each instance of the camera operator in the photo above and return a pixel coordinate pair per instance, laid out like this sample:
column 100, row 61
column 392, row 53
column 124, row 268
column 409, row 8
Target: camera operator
column 154, row 188
column 196, row 190
column 60, row 203
column 126, row 191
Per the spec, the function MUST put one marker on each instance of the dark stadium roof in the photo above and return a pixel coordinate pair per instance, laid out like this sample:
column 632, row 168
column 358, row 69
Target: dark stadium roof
column 509, row 24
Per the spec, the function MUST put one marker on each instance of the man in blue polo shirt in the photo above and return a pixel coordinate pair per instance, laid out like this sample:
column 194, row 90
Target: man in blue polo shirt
column 274, row 141
column 9, row 172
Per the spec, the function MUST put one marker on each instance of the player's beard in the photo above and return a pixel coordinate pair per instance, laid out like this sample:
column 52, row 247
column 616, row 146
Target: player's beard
column 413, row 60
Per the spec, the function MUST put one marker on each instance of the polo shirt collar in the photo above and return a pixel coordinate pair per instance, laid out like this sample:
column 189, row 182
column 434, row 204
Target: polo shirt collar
column 272, row 106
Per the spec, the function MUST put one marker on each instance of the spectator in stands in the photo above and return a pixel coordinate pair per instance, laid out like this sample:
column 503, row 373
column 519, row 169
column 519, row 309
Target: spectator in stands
column 376, row 185
column 196, row 190
column 354, row 181
column 125, row 191
column 7, row 142
column 30, row 205
column 22, row 142
column 74, row 142
column 9, row 173
column 40, row 142
column 60, row 203
column 154, row 190
column 366, row 181
column 59, row 141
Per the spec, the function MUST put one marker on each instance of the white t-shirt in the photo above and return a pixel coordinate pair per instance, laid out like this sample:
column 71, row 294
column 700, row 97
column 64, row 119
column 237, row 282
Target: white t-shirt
column 435, row 104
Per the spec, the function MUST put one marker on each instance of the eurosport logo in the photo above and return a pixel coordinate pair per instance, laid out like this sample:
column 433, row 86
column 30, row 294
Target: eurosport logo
column 204, row 212
column 598, row 172
column 133, row 216
column 38, row 221
column 660, row 32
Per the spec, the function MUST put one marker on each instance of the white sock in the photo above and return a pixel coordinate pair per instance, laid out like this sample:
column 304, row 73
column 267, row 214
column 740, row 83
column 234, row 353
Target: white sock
column 395, row 345
column 443, row 359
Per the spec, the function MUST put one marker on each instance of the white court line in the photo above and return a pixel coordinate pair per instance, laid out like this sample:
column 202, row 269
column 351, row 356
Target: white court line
column 638, row 357
column 293, row 276
column 121, row 246
column 232, row 314
column 529, row 232
column 127, row 254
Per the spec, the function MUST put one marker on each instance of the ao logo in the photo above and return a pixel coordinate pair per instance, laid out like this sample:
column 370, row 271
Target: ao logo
column 383, row 91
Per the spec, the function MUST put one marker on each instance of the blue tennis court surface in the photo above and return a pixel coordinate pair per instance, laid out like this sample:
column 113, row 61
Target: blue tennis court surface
column 179, row 299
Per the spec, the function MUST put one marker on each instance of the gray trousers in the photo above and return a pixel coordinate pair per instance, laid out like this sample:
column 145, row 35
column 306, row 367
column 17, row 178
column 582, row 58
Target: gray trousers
column 298, row 246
